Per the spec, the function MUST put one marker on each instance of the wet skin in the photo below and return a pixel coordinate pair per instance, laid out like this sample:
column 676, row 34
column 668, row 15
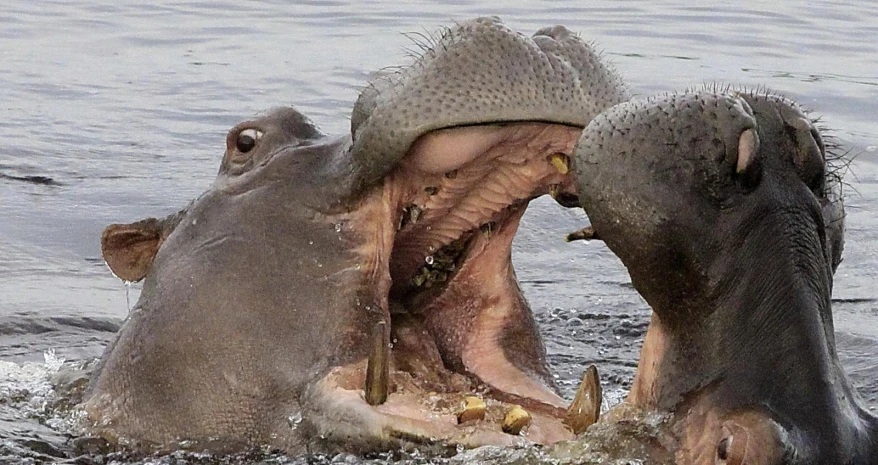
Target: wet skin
column 270, row 303
column 724, row 210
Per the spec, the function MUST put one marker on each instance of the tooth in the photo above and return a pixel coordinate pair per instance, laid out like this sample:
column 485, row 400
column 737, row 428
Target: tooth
column 585, row 409
column 421, row 277
column 414, row 213
column 488, row 229
column 378, row 368
column 516, row 419
column 560, row 162
column 473, row 410
column 585, row 234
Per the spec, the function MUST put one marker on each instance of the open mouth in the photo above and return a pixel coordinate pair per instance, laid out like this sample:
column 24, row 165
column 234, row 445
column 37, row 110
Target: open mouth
column 461, row 362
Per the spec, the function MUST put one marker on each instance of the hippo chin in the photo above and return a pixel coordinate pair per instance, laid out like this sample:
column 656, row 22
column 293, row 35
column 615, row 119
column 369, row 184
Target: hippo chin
column 349, row 292
column 723, row 210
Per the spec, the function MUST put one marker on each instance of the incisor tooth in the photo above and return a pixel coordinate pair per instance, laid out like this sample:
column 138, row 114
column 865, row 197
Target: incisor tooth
column 585, row 409
column 560, row 162
column 473, row 410
column 378, row 367
column 516, row 419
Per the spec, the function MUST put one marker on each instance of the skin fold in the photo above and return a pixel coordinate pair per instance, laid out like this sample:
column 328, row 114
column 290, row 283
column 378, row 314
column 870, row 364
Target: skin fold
column 350, row 292
column 728, row 216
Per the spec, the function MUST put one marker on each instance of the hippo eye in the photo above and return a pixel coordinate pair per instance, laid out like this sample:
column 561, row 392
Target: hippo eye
column 247, row 140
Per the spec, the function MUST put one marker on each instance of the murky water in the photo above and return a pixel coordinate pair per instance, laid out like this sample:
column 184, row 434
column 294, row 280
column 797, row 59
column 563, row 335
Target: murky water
column 114, row 111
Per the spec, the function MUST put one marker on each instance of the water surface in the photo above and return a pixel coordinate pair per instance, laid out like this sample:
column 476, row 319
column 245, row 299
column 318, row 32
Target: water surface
column 115, row 112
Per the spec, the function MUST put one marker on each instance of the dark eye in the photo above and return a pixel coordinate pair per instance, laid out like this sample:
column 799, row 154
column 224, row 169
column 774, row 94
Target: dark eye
column 247, row 140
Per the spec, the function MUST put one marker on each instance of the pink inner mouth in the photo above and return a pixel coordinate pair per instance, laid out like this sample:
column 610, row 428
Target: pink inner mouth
column 459, row 325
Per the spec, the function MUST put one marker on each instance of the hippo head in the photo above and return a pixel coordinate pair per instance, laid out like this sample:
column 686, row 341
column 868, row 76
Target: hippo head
column 357, row 292
column 729, row 219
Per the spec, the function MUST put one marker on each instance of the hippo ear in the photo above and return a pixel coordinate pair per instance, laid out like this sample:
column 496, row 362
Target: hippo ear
column 129, row 249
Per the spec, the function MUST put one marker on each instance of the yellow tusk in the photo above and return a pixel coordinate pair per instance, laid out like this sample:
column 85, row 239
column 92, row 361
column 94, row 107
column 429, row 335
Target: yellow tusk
column 378, row 368
column 561, row 162
column 474, row 409
column 585, row 410
column 515, row 421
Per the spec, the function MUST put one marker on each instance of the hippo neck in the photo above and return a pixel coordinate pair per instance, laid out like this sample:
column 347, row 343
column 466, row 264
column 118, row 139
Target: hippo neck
column 768, row 319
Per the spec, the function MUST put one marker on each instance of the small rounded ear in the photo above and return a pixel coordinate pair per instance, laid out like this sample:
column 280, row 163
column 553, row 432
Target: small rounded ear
column 752, row 438
column 129, row 249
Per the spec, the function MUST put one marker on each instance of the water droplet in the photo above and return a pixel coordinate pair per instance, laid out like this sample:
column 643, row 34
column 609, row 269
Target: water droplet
column 338, row 227
column 310, row 242
column 429, row 259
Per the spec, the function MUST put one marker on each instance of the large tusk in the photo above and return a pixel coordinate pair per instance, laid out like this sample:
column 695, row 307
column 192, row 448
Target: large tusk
column 585, row 409
column 378, row 368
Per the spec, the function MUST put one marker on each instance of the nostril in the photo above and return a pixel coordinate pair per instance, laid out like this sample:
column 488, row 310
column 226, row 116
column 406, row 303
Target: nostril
column 748, row 167
column 809, row 155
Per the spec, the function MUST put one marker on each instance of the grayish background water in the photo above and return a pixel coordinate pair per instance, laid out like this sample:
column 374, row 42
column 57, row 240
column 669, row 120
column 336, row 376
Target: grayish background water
column 122, row 109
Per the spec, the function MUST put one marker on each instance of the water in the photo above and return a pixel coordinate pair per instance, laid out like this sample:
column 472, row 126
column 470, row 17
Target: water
column 112, row 112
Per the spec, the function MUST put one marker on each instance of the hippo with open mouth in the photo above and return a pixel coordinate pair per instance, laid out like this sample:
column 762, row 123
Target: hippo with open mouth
column 730, row 222
column 357, row 292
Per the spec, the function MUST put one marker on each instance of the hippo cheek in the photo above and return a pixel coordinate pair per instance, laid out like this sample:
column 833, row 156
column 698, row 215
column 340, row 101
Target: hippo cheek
column 735, row 438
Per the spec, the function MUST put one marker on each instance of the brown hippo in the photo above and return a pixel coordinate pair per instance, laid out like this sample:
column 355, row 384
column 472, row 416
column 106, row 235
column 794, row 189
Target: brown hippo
column 721, row 206
column 354, row 292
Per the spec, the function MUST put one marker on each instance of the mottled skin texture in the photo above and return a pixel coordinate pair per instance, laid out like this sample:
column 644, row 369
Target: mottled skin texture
column 259, row 299
column 733, row 242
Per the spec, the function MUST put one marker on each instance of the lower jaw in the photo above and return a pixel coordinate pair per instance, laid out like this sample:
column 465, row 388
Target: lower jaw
column 339, row 417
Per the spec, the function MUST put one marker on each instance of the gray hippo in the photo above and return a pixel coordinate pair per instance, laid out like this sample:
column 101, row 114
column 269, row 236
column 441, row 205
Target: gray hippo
column 356, row 292
column 730, row 222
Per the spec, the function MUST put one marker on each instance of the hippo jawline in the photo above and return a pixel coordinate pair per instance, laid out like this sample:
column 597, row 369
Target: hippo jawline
column 459, row 329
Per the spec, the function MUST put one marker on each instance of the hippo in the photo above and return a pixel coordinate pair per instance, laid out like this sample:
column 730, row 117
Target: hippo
column 725, row 209
column 356, row 292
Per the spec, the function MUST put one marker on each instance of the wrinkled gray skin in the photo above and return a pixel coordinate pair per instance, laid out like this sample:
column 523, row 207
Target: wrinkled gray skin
column 733, row 241
column 270, row 284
